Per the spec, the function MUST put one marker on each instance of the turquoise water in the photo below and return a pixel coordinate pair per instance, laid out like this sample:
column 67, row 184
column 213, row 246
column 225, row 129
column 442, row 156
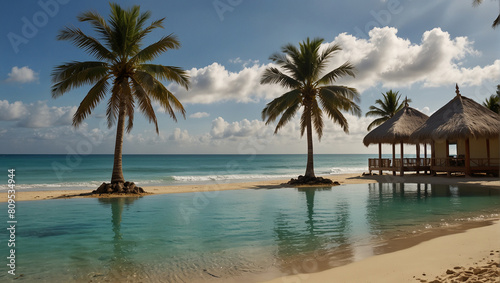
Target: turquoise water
column 224, row 236
column 50, row 172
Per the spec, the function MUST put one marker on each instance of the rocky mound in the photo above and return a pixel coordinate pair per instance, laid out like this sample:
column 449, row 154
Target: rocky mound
column 311, row 181
column 118, row 188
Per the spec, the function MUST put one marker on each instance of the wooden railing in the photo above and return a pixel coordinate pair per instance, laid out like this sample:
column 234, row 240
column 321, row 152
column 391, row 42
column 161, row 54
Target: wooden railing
column 374, row 163
column 460, row 162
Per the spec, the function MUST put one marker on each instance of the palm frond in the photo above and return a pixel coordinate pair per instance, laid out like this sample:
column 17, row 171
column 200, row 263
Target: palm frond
column 341, row 97
column 317, row 118
column 325, row 55
column 274, row 76
column 98, row 22
column 160, row 94
column 377, row 122
column 91, row 100
column 169, row 73
column 154, row 50
column 87, row 43
column 75, row 74
column 346, row 69
column 280, row 104
column 145, row 103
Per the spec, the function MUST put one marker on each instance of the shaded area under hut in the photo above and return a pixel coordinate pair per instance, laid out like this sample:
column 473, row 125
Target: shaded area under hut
column 397, row 130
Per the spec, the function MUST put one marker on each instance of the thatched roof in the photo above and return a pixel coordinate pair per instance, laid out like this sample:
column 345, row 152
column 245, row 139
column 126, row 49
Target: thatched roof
column 460, row 118
column 398, row 128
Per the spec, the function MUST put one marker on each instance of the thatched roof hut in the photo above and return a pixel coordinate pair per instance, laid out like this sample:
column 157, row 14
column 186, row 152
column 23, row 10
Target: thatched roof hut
column 461, row 118
column 398, row 128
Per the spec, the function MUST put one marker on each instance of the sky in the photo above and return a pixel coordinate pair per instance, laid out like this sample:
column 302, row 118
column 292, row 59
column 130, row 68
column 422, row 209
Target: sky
column 419, row 48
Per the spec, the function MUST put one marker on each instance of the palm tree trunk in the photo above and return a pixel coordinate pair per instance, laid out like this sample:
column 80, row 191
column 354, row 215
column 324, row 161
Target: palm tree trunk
column 117, row 176
column 310, row 157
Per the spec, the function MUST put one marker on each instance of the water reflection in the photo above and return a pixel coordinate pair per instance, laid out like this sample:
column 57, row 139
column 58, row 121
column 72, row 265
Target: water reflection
column 305, row 242
column 121, row 264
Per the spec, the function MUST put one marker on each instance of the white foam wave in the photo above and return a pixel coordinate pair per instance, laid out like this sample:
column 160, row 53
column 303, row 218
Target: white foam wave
column 345, row 170
column 229, row 177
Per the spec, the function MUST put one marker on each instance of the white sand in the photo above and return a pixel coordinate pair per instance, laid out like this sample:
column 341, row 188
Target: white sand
column 432, row 258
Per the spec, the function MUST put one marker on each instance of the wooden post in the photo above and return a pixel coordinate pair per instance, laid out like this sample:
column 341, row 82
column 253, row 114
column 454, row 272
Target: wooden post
column 401, row 167
column 418, row 159
column 488, row 151
column 393, row 159
column 425, row 157
column 448, row 158
column 380, row 158
column 467, row 158
column 433, row 158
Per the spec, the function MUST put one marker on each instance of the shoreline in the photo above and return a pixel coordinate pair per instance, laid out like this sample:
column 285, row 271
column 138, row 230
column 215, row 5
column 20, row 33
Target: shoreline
column 438, row 259
column 343, row 179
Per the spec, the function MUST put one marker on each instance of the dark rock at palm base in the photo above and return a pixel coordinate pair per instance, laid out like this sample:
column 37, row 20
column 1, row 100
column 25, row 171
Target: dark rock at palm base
column 303, row 180
column 118, row 188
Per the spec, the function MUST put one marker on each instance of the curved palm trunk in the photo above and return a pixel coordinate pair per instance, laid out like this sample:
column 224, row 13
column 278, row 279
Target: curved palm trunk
column 117, row 176
column 310, row 157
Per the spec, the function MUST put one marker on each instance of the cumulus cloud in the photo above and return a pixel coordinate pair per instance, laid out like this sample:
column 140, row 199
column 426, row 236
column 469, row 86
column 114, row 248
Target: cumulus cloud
column 22, row 75
column 393, row 61
column 12, row 111
column 245, row 128
column 383, row 59
column 215, row 83
column 36, row 115
column 198, row 115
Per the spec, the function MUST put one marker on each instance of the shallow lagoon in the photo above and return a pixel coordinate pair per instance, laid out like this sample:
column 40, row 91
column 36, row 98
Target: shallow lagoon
column 223, row 235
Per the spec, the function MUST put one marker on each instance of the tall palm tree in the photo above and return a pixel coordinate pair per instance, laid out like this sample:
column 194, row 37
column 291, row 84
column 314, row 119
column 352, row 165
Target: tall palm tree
column 302, row 74
column 387, row 108
column 122, row 69
column 496, row 22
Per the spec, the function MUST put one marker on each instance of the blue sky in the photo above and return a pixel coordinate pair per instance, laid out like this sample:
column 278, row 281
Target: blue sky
column 419, row 48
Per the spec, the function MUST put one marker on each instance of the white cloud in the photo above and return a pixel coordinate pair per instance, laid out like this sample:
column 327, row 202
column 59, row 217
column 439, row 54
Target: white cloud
column 12, row 111
column 36, row 115
column 216, row 84
column 393, row 61
column 198, row 115
column 22, row 75
column 245, row 128
column 384, row 58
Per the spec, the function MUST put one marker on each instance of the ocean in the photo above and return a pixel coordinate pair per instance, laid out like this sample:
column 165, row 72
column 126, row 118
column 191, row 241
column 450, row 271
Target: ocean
column 58, row 172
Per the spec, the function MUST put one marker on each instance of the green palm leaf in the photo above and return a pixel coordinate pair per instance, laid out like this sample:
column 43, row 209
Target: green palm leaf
column 387, row 108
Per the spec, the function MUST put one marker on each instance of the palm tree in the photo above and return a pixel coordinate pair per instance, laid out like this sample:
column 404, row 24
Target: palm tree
column 121, row 69
column 496, row 22
column 388, row 108
column 493, row 102
column 301, row 74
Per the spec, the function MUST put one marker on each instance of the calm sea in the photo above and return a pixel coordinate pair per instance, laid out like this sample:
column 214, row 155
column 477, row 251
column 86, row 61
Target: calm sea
column 49, row 172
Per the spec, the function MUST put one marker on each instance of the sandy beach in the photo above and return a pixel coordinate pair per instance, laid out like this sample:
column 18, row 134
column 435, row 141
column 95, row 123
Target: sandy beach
column 439, row 259
column 442, row 259
column 266, row 184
